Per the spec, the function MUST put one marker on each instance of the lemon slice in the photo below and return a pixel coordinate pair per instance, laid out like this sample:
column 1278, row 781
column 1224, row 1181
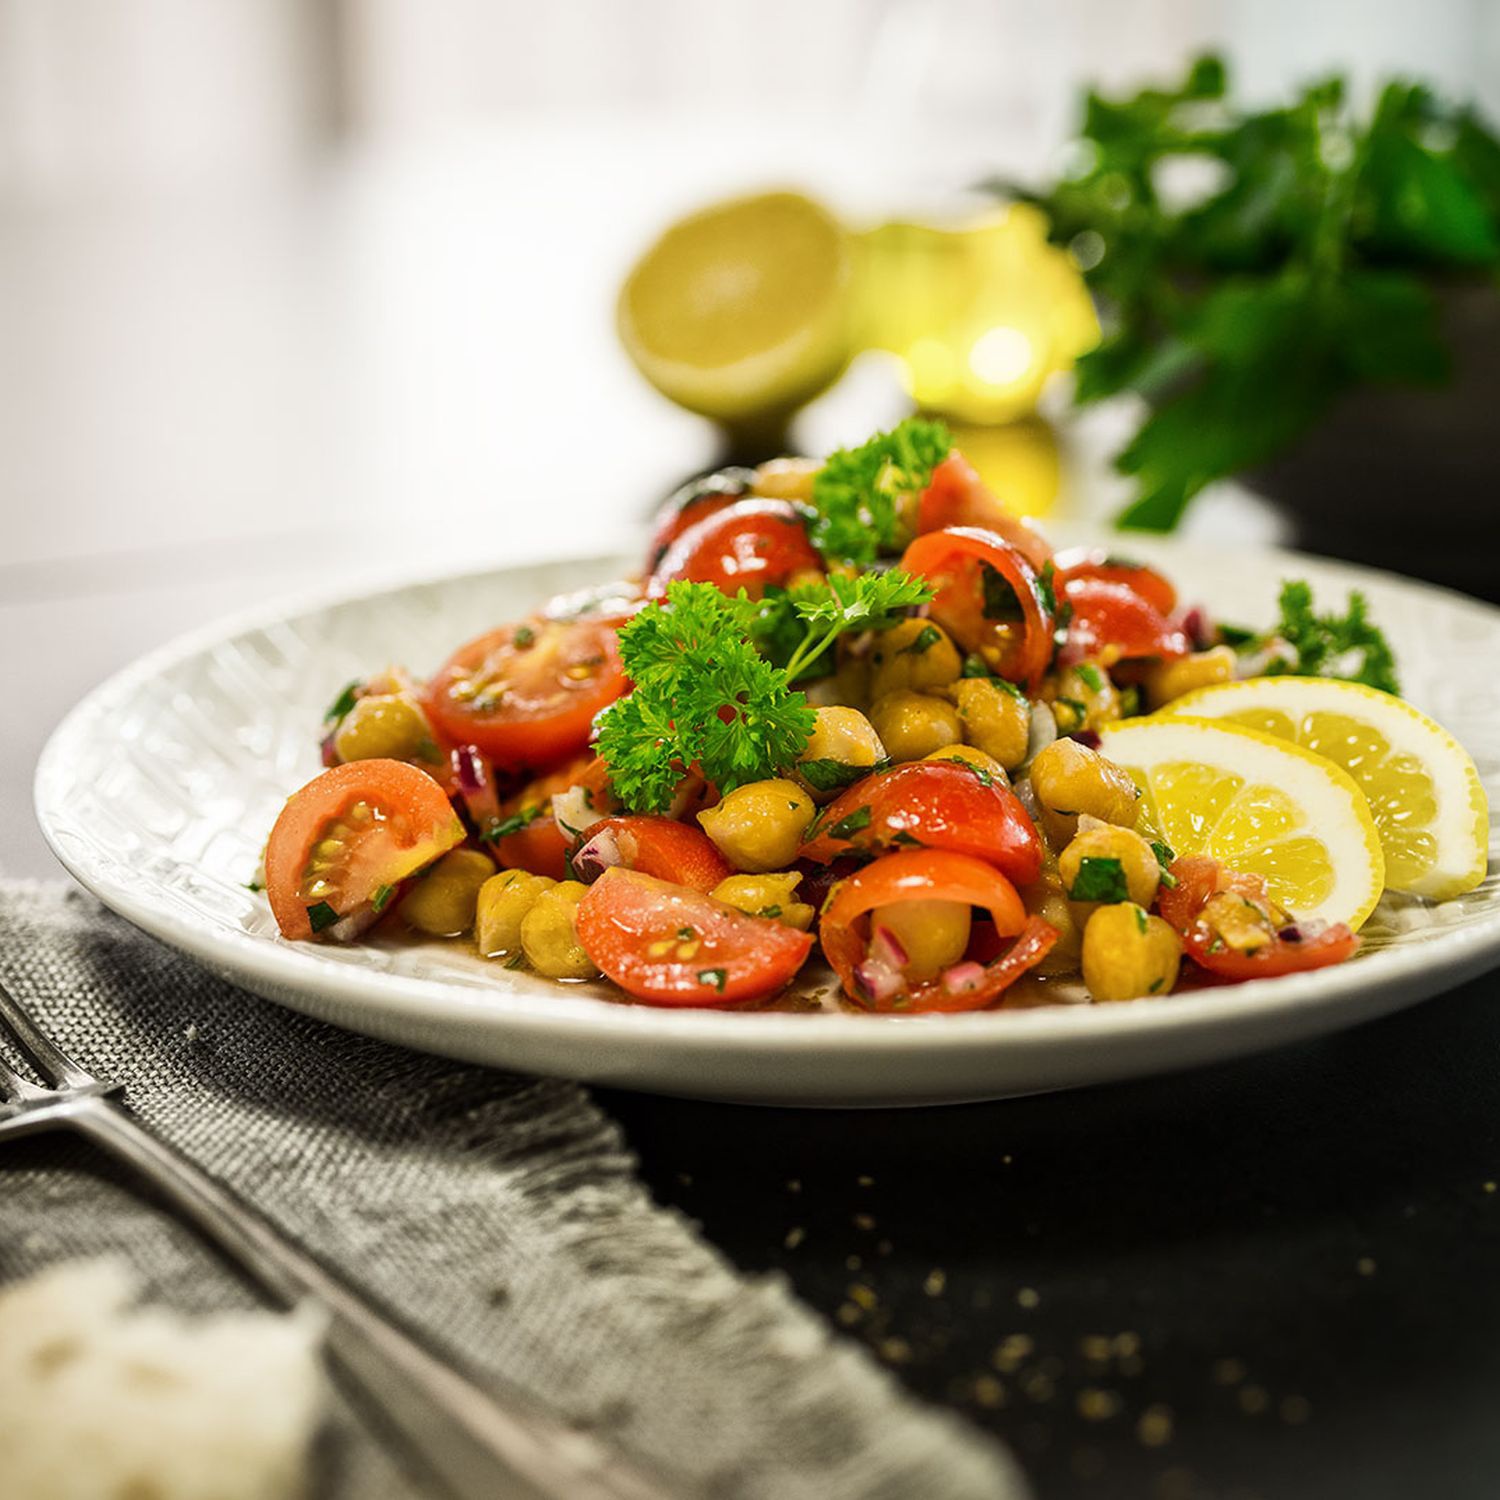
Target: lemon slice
column 1423, row 790
column 1260, row 805
column 744, row 310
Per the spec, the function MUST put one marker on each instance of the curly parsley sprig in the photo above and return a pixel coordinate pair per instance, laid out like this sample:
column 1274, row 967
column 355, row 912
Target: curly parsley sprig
column 855, row 491
column 1348, row 646
column 704, row 698
column 796, row 626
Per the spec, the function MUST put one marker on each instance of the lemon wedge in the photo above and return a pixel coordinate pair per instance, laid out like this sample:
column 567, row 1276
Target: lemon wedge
column 744, row 310
column 1425, row 794
column 1260, row 805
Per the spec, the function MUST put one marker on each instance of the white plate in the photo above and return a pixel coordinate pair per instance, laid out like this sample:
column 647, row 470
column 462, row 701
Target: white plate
column 158, row 789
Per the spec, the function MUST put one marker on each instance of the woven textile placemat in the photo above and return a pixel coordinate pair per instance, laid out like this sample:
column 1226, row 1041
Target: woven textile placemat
column 500, row 1215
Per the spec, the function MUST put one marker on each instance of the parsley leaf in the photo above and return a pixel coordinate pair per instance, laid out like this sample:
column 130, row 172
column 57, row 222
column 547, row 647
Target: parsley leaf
column 321, row 915
column 855, row 491
column 1348, row 646
column 704, row 697
column 832, row 775
column 847, row 827
column 794, row 627
column 343, row 703
column 501, row 828
column 1100, row 879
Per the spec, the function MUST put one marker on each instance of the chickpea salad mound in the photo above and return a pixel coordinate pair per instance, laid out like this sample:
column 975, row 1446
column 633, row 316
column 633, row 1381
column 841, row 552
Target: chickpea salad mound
column 855, row 705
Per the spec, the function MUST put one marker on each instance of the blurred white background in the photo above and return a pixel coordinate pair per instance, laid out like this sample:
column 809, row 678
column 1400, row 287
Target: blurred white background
column 292, row 290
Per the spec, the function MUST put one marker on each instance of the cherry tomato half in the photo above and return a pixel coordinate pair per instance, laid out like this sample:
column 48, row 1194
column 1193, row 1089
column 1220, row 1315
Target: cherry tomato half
column 957, row 496
column 932, row 875
column 694, row 502
column 1112, row 620
column 1093, row 562
column 749, row 545
column 669, row 945
column 350, row 834
column 938, row 804
column 526, row 694
column 1289, row 948
column 661, row 847
column 988, row 599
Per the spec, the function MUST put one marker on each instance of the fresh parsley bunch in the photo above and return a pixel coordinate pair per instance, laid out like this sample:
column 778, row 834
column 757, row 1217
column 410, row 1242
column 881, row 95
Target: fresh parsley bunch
column 1300, row 268
column 1349, row 646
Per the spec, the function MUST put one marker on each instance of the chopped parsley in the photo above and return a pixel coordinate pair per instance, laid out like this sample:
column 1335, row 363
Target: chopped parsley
column 515, row 960
column 854, row 493
column 924, row 640
column 343, row 703
column 769, row 911
column 523, row 636
column 1140, row 920
column 846, row 828
column 718, row 978
column 1091, row 677
column 832, row 775
column 1164, row 856
column 500, row 828
column 1100, row 879
column 254, row 886
column 321, row 915
column 1001, row 602
column 1046, row 586
column 382, row 898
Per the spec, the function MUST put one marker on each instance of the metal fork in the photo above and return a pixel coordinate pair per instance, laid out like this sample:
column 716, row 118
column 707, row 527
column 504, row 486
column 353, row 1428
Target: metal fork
column 472, row 1445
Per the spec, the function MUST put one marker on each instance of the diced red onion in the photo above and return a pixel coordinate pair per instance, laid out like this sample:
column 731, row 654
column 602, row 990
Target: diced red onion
column 573, row 812
column 962, row 978
column 1027, row 797
column 1197, row 624
column 1043, row 730
column 347, row 929
column 469, row 770
column 886, row 948
column 879, row 982
column 599, row 854
column 329, row 751
column 1087, row 738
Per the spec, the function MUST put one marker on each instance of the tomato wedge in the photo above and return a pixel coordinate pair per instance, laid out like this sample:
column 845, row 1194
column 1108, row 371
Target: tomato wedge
column 1093, row 562
column 938, row 804
column 345, row 841
column 661, row 847
column 694, row 502
column 669, row 945
column 957, row 496
column 1230, row 926
column 535, row 842
column 526, row 694
column 749, row 545
column 931, row 875
column 989, row 599
column 1111, row 620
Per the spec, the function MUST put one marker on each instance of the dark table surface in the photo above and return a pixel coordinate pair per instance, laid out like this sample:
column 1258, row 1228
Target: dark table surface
column 1275, row 1278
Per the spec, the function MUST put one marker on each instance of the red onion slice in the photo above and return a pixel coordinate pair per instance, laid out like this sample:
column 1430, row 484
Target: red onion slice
column 599, row 854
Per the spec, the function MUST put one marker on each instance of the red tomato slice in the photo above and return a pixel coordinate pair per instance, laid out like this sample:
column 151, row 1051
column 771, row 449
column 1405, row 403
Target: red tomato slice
column 1093, row 562
column 749, row 545
column 538, row 844
column 1113, row 620
column 937, row 804
column 669, row 945
column 957, row 496
column 349, row 833
column 1289, row 949
column 1000, row 614
column 932, row 875
column 695, row 502
column 526, row 694
column 661, row 847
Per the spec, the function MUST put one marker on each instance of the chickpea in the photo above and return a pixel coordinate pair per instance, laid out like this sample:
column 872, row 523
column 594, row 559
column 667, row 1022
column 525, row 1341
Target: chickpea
column 760, row 826
column 1070, row 779
column 443, row 902
column 386, row 726
column 915, row 655
column 1127, row 954
column 972, row 755
column 786, row 478
column 767, row 896
column 845, row 736
column 1045, row 898
column 1166, row 680
column 994, row 719
column 504, row 900
column 932, row 934
column 1103, row 841
column 1083, row 697
column 549, row 933
column 911, row 725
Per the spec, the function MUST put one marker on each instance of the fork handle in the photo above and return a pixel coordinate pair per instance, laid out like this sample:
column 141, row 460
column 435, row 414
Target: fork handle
column 476, row 1448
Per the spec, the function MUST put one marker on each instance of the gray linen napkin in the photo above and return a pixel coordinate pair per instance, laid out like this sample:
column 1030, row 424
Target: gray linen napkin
column 500, row 1215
